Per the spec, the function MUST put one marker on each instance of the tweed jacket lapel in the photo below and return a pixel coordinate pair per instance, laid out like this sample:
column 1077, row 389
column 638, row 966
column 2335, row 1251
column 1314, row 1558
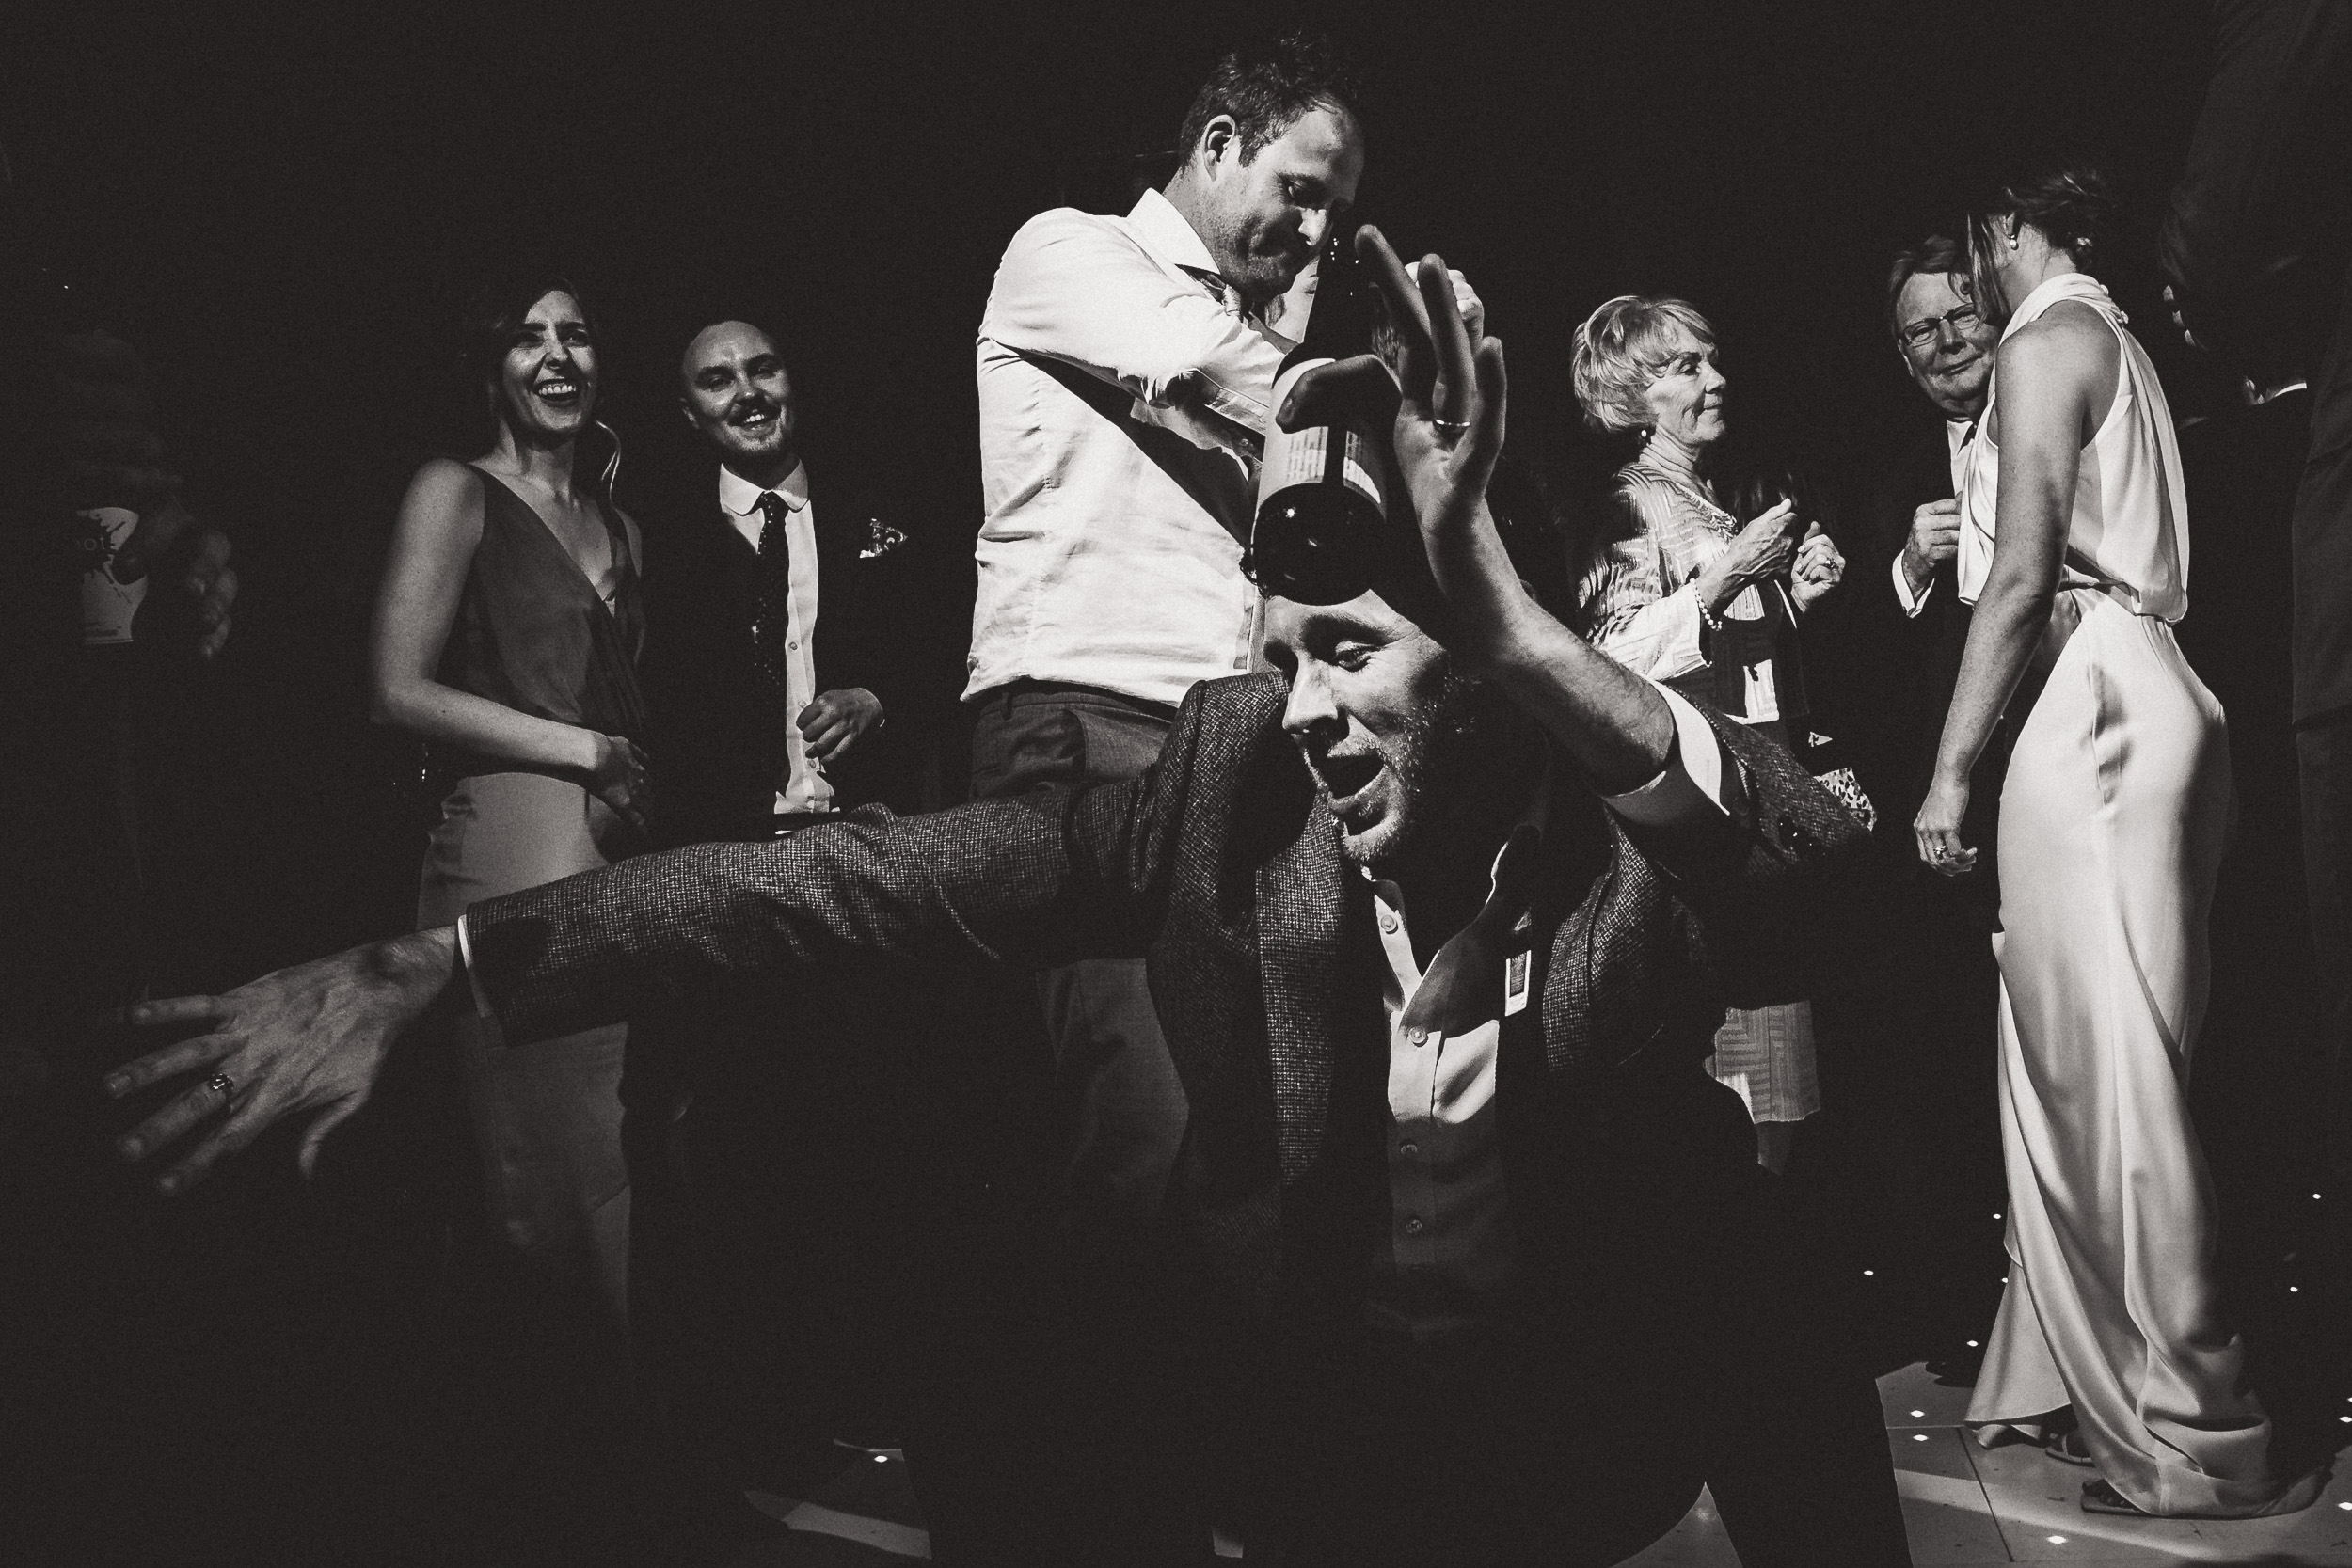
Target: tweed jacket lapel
column 1301, row 904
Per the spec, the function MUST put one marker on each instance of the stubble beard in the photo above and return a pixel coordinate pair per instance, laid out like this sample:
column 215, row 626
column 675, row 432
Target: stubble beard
column 1432, row 762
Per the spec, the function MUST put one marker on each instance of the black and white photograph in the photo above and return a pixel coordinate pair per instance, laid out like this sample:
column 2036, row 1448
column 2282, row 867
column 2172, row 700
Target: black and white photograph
column 1115, row 785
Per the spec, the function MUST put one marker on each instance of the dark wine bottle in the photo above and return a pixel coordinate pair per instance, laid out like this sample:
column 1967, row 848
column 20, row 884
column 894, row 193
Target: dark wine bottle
column 1321, row 517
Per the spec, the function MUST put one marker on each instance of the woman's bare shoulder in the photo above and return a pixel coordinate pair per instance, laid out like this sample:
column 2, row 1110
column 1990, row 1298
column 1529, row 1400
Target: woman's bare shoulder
column 445, row 476
column 2068, row 340
column 445, row 493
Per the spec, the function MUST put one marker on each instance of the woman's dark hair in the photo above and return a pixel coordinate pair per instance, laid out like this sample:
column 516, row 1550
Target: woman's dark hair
column 495, row 312
column 2069, row 203
column 1266, row 86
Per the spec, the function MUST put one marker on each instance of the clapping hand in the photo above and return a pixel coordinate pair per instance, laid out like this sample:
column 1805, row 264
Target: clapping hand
column 1820, row 567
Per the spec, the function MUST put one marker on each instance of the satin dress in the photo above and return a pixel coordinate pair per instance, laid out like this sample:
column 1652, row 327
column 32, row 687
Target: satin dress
column 2112, row 828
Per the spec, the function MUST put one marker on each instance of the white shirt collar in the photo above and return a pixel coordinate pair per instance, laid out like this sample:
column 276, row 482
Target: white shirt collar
column 1166, row 233
column 741, row 497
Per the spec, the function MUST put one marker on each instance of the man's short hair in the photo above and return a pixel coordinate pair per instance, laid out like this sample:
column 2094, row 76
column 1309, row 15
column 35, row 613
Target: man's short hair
column 722, row 314
column 1266, row 87
column 1937, row 253
column 1619, row 351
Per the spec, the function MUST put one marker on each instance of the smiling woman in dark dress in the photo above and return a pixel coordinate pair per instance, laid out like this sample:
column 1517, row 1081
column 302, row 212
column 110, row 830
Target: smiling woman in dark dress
column 506, row 637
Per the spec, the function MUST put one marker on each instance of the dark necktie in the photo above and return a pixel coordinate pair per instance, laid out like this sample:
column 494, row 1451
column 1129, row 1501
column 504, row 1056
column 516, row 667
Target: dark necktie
column 771, row 618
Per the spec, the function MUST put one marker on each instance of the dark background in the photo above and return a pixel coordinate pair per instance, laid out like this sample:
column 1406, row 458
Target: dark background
column 284, row 207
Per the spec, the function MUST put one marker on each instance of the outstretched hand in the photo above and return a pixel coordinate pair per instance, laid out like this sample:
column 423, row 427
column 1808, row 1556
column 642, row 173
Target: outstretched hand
column 310, row 1039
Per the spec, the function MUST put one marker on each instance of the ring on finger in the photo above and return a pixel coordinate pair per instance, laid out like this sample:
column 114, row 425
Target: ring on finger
column 221, row 1084
column 1452, row 427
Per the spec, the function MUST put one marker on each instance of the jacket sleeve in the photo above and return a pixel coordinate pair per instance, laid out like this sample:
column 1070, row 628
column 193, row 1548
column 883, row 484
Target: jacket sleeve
column 1779, row 889
column 1047, row 878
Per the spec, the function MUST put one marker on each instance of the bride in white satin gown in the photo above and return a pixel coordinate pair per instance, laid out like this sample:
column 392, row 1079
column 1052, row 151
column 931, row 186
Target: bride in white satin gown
column 2075, row 550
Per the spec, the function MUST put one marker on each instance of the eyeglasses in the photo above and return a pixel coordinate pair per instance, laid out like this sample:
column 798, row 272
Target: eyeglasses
column 1928, row 330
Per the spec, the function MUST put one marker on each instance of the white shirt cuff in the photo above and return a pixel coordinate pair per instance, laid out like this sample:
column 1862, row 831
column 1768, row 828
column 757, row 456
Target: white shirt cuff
column 1912, row 603
column 473, row 981
column 1693, row 782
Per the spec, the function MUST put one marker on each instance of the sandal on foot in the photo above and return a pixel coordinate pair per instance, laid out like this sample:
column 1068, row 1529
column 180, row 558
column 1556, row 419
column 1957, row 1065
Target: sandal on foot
column 2101, row 1498
column 2068, row 1446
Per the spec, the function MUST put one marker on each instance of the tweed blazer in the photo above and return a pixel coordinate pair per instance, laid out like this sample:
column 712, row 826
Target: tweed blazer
column 1221, row 866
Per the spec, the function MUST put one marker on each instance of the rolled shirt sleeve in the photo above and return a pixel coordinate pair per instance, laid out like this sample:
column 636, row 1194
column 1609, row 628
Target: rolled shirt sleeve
column 473, row 980
column 1697, row 780
column 1073, row 288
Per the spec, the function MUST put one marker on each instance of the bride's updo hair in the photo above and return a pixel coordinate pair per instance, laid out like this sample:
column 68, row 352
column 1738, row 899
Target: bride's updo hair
column 1619, row 351
column 2069, row 203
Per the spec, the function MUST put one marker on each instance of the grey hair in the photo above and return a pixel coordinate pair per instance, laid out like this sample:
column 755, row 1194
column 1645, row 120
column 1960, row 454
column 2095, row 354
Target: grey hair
column 1619, row 351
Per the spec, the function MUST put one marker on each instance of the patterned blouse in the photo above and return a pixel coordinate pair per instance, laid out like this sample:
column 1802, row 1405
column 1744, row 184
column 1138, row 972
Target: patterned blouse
column 1636, row 600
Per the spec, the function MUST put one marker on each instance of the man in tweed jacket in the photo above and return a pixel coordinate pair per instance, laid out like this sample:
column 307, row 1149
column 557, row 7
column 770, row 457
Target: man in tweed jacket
column 1450, row 858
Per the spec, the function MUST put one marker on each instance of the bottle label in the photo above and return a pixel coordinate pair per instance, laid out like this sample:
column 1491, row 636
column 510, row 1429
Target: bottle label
column 1303, row 456
column 107, row 606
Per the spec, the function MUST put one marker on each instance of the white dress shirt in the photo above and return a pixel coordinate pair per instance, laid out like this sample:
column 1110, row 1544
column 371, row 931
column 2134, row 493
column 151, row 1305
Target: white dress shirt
column 1956, row 434
column 1111, row 552
column 805, row 788
column 1450, row 1248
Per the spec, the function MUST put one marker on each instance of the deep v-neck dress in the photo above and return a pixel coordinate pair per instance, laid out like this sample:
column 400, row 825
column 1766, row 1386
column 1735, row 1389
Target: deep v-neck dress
column 532, row 633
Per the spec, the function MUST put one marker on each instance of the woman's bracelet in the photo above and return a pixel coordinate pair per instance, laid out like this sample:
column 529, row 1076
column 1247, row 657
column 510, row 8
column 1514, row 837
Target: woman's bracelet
column 1707, row 618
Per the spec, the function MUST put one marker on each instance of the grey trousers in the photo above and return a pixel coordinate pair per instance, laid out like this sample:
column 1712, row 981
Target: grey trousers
column 1111, row 1061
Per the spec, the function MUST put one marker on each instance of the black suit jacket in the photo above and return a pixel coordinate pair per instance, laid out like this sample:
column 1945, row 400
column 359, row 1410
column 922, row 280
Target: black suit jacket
column 717, row 742
column 1221, row 865
column 1899, row 675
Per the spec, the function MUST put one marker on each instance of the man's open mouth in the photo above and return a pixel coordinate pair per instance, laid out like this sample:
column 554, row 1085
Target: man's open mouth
column 1344, row 777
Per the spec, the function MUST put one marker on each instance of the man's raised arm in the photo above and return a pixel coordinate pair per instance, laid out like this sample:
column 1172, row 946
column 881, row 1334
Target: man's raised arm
column 1448, row 433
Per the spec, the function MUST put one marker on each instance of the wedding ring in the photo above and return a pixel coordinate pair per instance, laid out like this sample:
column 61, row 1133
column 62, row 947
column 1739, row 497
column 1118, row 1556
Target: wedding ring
column 1452, row 427
column 220, row 1085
